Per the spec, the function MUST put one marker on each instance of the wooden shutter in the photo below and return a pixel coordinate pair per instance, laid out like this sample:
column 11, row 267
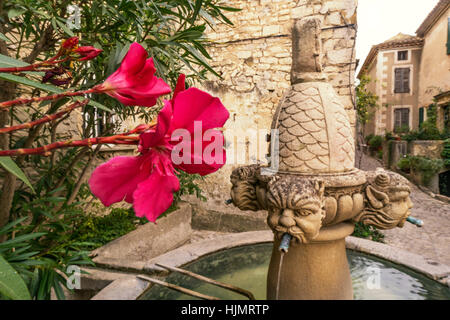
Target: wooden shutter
column 448, row 35
column 406, row 72
column 401, row 80
column 421, row 116
column 397, row 119
column 405, row 117
column 398, row 80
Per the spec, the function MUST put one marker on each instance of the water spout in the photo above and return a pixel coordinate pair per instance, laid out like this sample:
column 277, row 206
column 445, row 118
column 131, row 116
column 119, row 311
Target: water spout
column 285, row 242
column 415, row 221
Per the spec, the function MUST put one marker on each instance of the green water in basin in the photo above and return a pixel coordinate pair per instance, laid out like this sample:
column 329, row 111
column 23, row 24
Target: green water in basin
column 246, row 267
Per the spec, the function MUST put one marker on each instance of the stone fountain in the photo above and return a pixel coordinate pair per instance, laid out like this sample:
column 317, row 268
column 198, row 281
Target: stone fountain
column 316, row 194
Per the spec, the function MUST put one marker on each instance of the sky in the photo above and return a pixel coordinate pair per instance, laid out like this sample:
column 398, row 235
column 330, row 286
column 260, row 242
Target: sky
column 379, row 20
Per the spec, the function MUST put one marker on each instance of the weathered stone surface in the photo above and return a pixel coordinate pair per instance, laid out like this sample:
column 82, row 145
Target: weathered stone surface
column 148, row 240
column 256, row 69
column 431, row 241
column 427, row 148
column 226, row 219
column 306, row 48
column 315, row 116
column 339, row 56
column 129, row 288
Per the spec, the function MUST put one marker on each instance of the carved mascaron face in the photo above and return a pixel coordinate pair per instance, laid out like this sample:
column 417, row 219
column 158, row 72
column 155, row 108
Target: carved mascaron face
column 245, row 191
column 295, row 206
column 388, row 201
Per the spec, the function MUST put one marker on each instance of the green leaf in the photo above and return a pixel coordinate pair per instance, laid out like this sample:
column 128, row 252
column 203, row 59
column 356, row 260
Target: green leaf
column 65, row 28
column 3, row 37
column 30, row 83
column 11, row 284
column 22, row 238
column 99, row 106
column 47, row 87
column 15, row 13
column 6, row 62
column 11, row 225
column 57, row 286
column 12, row 167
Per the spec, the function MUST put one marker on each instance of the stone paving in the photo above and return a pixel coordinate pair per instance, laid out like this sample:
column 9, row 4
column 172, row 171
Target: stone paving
column 432, row 240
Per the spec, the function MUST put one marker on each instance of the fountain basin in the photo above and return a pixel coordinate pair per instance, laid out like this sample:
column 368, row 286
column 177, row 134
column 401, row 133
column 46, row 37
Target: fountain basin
column 423, row 270
column 246, row 266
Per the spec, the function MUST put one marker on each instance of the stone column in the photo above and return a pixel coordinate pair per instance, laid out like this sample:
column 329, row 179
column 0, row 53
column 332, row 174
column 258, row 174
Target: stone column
column 312, row 271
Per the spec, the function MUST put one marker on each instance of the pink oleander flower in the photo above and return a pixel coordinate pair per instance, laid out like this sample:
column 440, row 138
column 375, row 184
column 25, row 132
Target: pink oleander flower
column 87, row 52
column 69, row 44
column 134, row 83
column 148, row 180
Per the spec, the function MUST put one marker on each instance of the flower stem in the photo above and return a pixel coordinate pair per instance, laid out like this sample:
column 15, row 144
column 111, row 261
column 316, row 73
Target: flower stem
column 122, row 138
column 7, row 104
column 36, row 66
column 45, row 119
column 45, row 150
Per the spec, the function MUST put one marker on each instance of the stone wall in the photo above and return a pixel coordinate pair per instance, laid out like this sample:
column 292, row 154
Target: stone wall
column 435, row 63
column 424, row 148
column 254, row 60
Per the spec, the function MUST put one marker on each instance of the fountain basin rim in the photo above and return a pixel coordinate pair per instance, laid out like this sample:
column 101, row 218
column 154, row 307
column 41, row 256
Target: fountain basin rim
column 331, row 179
column 132, row 287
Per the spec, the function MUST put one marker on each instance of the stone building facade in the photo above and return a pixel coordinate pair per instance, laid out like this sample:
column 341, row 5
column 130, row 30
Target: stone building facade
column 254, row 57
column 426, row 58
column 435, row 66
column 398, row 103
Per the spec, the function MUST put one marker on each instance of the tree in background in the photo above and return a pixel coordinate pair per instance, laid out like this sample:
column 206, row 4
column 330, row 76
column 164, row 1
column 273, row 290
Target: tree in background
column 366, row 106
column 366, row 102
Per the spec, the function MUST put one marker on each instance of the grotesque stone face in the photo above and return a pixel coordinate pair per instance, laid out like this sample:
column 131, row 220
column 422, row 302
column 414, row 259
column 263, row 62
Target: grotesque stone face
column 246, row 192
column 388, row 201
column 295, row 206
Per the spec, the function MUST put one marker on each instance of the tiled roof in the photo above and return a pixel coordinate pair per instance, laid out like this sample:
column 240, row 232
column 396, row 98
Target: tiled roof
column 401, row 40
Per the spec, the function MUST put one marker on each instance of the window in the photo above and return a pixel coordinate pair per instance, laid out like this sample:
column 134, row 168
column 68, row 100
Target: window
column 401, row 120
column 402, row 55
column 402, row 80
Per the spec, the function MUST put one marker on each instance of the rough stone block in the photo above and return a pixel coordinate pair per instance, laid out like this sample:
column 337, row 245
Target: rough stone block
column 148, row 240
column 302, row 11
column 334, row 18
column 270, row 30
column 339, row 56
column 123, row 289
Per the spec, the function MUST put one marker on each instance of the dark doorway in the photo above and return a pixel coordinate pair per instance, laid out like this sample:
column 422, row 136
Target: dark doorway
column 444, row 183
